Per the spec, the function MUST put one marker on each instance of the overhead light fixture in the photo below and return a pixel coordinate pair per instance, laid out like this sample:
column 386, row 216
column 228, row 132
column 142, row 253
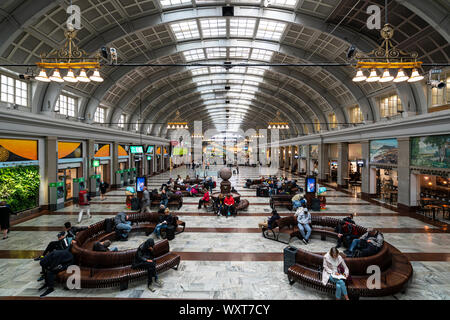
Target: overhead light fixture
column 386, row 77
column 96, row 76
column 415, row 76
column 401, row 76
column 42, row 76
column 56, row 76
column 70, row 77
column 373, row 77
column 359, row 76
column 82, row 77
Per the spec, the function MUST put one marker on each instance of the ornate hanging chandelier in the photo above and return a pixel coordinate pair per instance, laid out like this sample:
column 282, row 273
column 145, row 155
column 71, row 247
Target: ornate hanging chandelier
column 387, row 57
column 70, row 57
column 177, row 122
column 278, row 123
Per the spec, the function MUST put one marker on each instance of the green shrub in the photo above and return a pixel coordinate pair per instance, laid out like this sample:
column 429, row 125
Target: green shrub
column 19, row 186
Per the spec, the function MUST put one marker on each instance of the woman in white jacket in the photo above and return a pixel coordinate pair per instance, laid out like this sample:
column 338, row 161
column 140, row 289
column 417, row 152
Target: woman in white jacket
column 330, row 272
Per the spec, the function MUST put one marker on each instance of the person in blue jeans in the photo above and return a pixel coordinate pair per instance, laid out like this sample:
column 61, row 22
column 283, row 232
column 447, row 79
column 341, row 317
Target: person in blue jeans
column 304, row 221
column 164, row 221
column 164, row 198
column 373, row 242
column 335, row 271
column 122, row 224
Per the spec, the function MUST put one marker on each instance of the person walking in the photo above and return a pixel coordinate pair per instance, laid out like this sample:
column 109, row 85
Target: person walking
column 5, row 216
column 83, row 203
column 103, row 187
column 145, row 207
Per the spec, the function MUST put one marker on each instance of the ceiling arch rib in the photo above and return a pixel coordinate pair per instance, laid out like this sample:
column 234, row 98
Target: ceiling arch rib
column 288, row 110
column 268, row 94
column 288, row 89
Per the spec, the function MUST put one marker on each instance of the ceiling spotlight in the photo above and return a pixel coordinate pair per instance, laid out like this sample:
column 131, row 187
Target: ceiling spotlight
column 437, row 84
column 351, row 51
column 359, row 76
column 373, row 77
column 401, row 76
column 415, row 76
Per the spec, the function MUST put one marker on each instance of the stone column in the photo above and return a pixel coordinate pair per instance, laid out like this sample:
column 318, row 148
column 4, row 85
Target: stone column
column 324, row 168
column 292, row 158
column 404, row 177
column 90, row 170
column 308, row 160
column 342, row 169
column 51, row 166
column 115, row 163
column 281, row 155
column 286, row 158
column 365, row 172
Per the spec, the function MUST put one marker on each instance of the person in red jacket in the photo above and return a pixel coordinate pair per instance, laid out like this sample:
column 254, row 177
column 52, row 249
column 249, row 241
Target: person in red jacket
column 228, row 205
column 205, row 198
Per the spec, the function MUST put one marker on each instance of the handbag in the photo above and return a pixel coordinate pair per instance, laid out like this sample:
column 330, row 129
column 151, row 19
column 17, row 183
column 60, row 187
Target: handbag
column 341, row 269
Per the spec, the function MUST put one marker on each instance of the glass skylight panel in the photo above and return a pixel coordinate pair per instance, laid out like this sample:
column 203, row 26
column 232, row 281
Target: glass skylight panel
column 198, row 71
column 240, row 70
column 185, row 30
column 195, row 54
column 261, row 54
column 217, row 81
column 242, row 27
column 254, row 70
column 284, row 3
column 170, row 3
column 213, row 27
column 251, row 83
column 242, row 53
column 216, row 69
column 203, row 83
column 214, row 53
column 270, row 30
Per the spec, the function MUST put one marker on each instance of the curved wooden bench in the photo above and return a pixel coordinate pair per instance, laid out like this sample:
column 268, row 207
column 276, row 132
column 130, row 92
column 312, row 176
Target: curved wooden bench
column 106, row 269
column 174, row 200
column 281, row 200
column 396, row 270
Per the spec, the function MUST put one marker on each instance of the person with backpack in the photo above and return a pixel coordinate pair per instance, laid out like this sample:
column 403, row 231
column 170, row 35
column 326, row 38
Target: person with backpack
column 103, row 187
column 367, row 245
column 304, row 221
column 61, row 244
column 296, row 200
column 346, row 230
column 123, row 226
column 83, row 203
column 72, row 230
column 144, row 259
column 335, row 271
column 103, row 246
column 52, row 264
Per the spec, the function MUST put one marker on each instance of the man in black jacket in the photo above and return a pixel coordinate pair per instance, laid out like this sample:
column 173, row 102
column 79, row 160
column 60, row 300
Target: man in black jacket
column 103, row 246
column 61, row 244
column 72, row 231
column 163, row 221
column 346, row 230
column 144, row 259
column 52, row 264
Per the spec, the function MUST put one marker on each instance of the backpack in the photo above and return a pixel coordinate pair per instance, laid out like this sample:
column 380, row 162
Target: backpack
column 109, row 225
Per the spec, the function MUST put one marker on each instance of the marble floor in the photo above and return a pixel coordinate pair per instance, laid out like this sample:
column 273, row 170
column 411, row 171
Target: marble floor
column 227, row 258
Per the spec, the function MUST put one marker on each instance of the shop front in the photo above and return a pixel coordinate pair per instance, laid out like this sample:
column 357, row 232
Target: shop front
column 103, row 155
column 354, row 157
column 383, row 170
column 314, row 159
column 70, row 166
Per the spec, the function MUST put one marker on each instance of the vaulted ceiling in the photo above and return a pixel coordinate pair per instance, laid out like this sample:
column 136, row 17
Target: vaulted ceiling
column 194, row 31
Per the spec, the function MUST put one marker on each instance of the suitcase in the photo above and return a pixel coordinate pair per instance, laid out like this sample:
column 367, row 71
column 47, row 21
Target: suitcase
column 135, row 205
column 170, row 232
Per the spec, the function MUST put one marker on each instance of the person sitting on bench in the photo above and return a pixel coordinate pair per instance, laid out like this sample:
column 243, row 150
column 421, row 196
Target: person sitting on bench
column 204, row 200
column 304, row 221
column 164, row 198
column 271, row 223
column 346, row 230
column 367, row 245
column 228, row 205
column 52, row 264
column 103, row 246
column 296, row 201
column 163, row 221
column 335, row 271
column 144, row 259
column 61, row 244
column 123, row 226
column 72, row 230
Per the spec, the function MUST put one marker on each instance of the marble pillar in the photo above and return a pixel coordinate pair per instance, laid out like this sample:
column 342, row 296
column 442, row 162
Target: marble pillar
column 51, row 166
column 342, row 169
column 404, row 177
column 365, row 171
column 324, row 168
column 90, row 154
column 115, row 163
